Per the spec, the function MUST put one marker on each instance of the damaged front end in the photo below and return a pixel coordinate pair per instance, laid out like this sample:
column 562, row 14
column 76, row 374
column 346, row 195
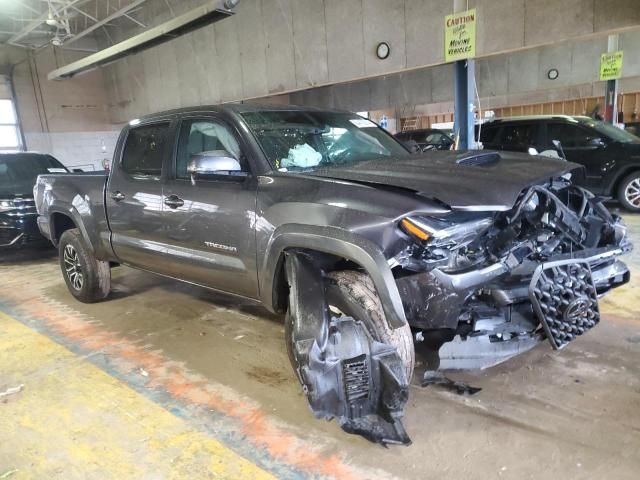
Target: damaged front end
column 346, row 374
column 481, row 287
column 477, row 288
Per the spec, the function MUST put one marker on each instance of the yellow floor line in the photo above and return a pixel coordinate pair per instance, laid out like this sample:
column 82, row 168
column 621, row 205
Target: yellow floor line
column 72, row 420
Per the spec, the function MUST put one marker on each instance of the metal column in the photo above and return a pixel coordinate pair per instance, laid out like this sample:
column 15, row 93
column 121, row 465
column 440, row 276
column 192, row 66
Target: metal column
column 611, row 88
column 464, row 94
column 465, row 89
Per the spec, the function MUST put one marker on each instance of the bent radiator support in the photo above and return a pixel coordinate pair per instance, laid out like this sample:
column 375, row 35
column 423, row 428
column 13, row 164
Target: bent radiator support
column 346, row 374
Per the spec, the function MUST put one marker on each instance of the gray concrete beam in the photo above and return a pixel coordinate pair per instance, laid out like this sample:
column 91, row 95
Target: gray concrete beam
column 280, row 46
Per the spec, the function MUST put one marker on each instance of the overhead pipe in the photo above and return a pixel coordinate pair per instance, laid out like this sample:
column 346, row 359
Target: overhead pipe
column 185, row 23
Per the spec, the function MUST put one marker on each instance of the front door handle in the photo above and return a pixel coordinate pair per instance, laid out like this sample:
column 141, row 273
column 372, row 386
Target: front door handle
column 173, row 201
column 117, row 196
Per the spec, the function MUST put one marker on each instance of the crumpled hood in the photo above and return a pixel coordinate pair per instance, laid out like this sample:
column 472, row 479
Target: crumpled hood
column 493, row 183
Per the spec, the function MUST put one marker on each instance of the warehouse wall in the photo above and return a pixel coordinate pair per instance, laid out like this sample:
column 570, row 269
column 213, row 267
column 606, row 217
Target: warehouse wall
column 69, row 120
column 276, row 46
column 514, row 79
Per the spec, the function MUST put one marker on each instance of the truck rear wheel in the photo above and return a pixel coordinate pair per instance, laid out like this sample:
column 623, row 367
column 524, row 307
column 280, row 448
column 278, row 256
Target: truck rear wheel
column 354, row 294
column 88, row 279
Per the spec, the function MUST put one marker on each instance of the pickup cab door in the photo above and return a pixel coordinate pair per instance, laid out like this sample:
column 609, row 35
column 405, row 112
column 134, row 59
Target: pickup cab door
column 210, row 219
column 134, row 194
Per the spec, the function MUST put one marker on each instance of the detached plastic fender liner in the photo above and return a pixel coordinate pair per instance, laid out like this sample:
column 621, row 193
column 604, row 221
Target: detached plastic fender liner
column 346, row 374
column 337, row 242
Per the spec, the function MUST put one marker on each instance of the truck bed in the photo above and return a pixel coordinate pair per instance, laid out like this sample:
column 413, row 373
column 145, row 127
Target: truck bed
column 79, row 198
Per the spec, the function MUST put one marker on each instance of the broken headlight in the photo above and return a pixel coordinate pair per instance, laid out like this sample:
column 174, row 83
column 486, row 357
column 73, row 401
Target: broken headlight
column 448, row 243
column 445, row 232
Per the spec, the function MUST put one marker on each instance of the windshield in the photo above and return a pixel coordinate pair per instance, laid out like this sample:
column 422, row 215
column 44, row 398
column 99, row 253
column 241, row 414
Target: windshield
column 19, row 171
column 304, row 140
column 614, row 133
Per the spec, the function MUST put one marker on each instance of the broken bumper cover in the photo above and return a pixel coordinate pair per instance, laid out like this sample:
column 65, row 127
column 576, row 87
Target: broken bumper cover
column 435, row 299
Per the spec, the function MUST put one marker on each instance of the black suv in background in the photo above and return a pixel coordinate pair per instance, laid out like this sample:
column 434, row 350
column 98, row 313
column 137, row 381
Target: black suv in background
column 18, row 175
column 611, row 156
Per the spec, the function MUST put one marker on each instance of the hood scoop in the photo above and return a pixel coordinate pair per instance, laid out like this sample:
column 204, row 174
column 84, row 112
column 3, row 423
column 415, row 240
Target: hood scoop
column 479, row 159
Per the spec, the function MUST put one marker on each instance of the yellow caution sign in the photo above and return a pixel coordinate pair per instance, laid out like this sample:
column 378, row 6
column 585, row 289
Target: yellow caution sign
column 611, row 65
column 460, row 36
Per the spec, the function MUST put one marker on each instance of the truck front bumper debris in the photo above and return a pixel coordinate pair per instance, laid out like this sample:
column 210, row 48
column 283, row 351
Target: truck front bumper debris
column 498, row 312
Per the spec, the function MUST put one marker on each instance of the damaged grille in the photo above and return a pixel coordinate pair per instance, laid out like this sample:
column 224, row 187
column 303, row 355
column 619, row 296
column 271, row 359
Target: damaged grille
column 355, row 373
column 565, row 300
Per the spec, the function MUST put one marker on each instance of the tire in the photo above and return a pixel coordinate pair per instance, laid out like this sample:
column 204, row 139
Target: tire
column 354, row 294
column 629, row 192
column 88, row 279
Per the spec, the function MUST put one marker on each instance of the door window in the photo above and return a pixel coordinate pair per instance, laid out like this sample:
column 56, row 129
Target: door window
column 199, row 136
column 488, row 133
column 144, row 150
column 520, row 136
column 570, row 136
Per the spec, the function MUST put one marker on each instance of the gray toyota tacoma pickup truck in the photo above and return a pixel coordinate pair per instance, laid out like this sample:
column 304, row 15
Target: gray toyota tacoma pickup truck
column 373, row 254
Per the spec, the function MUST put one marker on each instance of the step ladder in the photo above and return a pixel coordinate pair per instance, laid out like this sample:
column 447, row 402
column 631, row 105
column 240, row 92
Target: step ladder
column 410, row 123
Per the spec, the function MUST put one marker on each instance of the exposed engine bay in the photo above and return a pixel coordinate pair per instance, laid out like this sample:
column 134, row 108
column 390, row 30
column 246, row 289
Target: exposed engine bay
column 477, row 287
column 472, row 282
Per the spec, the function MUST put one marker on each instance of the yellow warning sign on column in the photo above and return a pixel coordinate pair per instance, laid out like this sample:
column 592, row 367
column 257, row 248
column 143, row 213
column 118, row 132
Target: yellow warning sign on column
column 611, row 65
column 460, row 36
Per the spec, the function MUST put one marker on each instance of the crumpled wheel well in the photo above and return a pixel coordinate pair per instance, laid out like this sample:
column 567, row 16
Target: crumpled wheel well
column 60, row 223
column 328, row 263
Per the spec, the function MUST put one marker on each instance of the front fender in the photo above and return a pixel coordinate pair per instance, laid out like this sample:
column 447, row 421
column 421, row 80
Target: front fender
column 340, row 243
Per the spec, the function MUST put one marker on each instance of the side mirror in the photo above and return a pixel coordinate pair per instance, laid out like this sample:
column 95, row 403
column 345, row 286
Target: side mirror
column 215, row 163
column 77, row 170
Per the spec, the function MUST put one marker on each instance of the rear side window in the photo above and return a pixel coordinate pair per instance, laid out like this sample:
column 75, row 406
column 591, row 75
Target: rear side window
column 488, row 133
column 520, row 136
column 144, row 150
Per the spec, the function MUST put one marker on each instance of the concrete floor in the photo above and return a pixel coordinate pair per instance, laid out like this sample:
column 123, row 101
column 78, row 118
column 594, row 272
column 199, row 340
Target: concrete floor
column 166, row 380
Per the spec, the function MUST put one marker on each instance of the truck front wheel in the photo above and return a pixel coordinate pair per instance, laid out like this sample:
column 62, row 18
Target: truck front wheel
column 88, row 279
